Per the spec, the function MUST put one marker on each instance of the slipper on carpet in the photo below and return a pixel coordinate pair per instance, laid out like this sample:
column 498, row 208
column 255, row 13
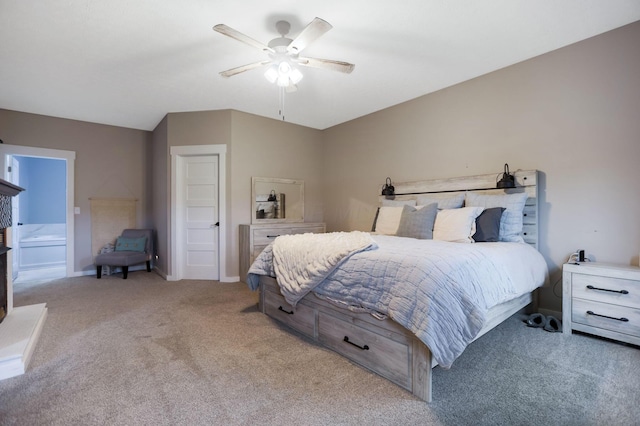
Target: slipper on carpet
column 536, row 320
column 553, row 324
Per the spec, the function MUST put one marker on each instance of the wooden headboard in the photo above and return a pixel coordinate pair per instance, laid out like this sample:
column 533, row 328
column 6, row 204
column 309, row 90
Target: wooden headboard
column 526, row 181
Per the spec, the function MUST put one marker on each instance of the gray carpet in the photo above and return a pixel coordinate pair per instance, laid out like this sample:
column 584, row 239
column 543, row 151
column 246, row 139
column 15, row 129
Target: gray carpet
column 146, row 351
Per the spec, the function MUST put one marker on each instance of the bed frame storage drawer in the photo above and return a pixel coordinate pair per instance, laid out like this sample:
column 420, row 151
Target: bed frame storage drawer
column 387, row 357
column 301, row 318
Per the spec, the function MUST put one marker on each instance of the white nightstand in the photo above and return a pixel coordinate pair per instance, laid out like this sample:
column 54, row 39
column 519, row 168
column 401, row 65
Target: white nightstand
column 602, row 299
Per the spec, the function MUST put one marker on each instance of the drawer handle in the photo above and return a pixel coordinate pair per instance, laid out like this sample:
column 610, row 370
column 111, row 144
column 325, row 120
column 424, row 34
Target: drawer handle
column 364, row 348
column 273, row 236
column 590, row 287
column 623, row 319
column 280, row 308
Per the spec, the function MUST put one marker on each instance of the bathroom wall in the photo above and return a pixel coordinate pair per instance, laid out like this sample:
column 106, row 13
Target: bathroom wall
column 43, row 200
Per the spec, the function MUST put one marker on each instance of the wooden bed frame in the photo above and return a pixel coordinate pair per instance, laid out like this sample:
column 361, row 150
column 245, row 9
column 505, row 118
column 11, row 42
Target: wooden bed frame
column 383, row 346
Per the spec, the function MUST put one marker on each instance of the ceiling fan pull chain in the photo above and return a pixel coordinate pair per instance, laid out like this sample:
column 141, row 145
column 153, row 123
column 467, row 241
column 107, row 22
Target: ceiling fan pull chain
column 281, row 101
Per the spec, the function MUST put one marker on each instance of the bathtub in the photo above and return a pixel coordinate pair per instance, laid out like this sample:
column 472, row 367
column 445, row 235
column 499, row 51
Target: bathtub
column 42, row 246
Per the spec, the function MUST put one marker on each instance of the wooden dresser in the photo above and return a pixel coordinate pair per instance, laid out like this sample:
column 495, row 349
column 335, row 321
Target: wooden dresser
column 602, row 299
column 254, row 238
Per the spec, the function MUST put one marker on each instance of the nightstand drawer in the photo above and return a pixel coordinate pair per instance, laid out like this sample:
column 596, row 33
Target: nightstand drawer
column 606, row 289
column 302, row 318
column 605, row 316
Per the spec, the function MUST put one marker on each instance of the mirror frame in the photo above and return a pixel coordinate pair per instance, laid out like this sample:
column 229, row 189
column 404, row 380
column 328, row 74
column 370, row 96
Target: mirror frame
column 255, row 180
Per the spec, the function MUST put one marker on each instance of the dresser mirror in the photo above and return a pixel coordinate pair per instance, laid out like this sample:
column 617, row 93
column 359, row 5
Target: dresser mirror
column 276, row 200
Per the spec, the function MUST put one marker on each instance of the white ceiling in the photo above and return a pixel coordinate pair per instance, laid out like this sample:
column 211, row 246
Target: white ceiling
column 129, row 62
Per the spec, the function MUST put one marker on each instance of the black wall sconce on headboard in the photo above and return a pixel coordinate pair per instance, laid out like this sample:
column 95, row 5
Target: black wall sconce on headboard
column 388, row 190
column 508, row 180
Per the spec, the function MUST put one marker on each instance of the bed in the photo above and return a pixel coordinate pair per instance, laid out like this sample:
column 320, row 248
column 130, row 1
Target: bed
column 398, row 304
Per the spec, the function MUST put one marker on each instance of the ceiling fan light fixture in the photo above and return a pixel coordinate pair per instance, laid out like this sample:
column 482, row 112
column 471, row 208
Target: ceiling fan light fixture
column 272, row 73
column 283, row 80
column 284, row 68
column 283, row 74
column 295, row 76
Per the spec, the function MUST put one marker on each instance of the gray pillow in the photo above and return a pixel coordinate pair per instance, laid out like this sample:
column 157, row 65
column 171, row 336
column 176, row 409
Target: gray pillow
column 488, row 225
column 418, row 223
column 511, row 220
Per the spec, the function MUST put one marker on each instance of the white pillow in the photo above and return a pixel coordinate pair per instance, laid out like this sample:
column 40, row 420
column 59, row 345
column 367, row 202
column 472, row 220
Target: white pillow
column 511, row 220
column 388, row 220
column 456, row 225
column 444, row 201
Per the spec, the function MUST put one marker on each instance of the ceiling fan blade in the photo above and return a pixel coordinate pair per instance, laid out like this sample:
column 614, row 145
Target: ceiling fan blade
column 243, row 68
column 329, row 64
column 230, row 32
column 315, row 29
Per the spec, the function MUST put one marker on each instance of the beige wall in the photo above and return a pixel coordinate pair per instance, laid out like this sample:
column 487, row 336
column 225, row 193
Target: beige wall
column 110, row 163
column 573, row 114
column 158, row 164
column 187, row 129
column 256, row 146
column 271, row 148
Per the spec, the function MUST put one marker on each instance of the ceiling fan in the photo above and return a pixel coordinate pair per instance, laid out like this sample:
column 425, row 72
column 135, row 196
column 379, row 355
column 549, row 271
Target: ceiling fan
column 284, row 53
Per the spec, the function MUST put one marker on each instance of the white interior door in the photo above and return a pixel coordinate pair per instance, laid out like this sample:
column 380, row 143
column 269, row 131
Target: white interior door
column 15, row 208
column 200, row 226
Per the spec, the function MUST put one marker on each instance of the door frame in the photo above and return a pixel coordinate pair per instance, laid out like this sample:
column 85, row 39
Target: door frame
column 56, row 154
column 177, row 183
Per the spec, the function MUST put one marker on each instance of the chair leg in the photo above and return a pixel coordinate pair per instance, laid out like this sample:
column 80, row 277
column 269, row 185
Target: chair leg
column 148, row 266
column 125, row 271
column 99, row 271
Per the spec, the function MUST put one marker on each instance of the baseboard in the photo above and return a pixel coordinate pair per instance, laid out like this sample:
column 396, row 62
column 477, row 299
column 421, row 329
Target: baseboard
column 231, row 279
column 88, row 272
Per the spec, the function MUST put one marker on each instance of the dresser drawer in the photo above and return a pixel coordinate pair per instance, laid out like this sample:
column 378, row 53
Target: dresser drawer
column 596, row 288
column 606, row 316
column 254, row 239
column 387, row 357
column 265, row 236
column 302, row 317
column 309, row 229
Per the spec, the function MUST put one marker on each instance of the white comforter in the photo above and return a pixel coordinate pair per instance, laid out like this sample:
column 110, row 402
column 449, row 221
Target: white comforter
column 438, row 290
column 302, row 262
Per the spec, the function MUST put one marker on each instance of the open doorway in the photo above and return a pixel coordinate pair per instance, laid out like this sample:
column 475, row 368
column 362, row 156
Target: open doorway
column 39, row 237
column 42, row 215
